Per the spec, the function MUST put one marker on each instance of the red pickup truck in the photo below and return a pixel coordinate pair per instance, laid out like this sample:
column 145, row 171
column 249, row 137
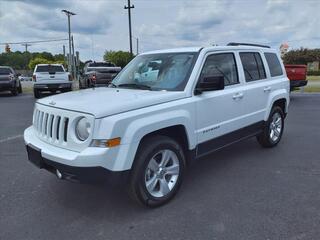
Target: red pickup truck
column 297, row 75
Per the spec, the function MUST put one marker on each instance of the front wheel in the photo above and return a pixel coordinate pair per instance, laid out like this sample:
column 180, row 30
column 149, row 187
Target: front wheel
column 157, row 172
column 20, row 88
column 273, row 129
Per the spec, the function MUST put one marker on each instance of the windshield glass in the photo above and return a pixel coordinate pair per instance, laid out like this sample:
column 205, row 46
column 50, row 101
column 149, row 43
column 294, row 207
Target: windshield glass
column 5, row 71
column 49, row 68
column 164, row 71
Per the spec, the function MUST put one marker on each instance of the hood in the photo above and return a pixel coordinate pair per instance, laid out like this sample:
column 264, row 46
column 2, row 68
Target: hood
column 102, row 102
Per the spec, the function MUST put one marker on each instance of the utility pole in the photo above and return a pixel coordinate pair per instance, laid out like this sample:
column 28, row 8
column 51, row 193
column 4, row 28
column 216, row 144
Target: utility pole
column 130, row 32
column 26, row 45
column 137, row 46
column 68, row 13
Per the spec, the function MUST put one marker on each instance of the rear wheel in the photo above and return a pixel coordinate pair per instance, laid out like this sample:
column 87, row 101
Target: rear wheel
column 273, row 129
column 36, row 93
column 157, row 172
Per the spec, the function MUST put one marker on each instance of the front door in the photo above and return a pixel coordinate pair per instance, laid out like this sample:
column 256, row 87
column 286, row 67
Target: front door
column 219, row 112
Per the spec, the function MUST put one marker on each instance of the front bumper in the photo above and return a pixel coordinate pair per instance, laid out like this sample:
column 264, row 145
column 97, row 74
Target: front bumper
column 6, row 85
column 76, row 174
column 92, row 161
column 52, row 87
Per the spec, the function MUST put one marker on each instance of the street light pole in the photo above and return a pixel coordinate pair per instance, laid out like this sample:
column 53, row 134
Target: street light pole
column 130, row 33
column 68, row 13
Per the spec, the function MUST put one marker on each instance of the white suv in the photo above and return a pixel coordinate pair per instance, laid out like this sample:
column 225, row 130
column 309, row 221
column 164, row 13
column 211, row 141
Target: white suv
column 202, row 99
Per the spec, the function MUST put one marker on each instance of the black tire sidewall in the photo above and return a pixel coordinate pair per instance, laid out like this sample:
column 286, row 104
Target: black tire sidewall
column 146, row 152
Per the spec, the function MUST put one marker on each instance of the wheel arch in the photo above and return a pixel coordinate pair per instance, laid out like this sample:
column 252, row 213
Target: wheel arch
column 278, row 98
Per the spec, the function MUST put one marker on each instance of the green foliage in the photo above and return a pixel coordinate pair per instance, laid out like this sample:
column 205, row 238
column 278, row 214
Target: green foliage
column 119, row 58
column 302, row 56
column 313, row 73
column 19, row 60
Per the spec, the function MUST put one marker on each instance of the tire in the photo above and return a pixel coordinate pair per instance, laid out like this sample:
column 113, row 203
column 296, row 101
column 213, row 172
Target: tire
column 148, row 168
column 36, row 93
column 14, row 91
column 273, row 129
column 20, row 88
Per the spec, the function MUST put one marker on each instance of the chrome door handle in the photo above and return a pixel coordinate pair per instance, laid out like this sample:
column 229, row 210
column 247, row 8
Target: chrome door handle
column 267, row 89
column 237, row 96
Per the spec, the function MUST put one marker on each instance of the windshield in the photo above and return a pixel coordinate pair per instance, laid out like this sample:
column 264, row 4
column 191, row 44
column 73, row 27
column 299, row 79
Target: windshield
column 5, row 71
column 164, row 71
column 50, row 68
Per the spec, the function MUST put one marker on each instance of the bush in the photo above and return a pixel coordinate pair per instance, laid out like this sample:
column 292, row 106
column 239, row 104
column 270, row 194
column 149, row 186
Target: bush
column 119, row 58
column 40, row 60
column 313, row 73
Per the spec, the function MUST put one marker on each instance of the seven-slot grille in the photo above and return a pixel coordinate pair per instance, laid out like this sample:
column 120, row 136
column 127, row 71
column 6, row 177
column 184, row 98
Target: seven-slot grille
column 50, row 126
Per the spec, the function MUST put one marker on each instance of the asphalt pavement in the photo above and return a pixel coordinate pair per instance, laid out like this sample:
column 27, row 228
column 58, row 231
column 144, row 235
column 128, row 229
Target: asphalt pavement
column 241, row 192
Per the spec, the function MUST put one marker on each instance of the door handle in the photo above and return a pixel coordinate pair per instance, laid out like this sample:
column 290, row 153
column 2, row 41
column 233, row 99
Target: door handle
column 237, row 96
column 267, row 89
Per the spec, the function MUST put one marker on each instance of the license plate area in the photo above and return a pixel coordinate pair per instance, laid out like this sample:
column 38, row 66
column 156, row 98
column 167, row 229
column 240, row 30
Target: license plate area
column 34, row 155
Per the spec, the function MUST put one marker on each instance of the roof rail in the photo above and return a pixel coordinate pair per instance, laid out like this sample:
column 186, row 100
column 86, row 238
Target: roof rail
column 247, row 44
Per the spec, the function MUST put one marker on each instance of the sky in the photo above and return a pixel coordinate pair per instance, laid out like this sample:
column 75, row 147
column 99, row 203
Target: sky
column 103, row 24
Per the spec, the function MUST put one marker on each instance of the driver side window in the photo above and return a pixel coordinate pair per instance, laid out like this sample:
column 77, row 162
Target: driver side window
column 221, row 64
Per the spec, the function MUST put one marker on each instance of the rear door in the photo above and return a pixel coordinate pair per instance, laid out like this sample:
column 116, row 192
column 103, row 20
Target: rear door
column 257, row 86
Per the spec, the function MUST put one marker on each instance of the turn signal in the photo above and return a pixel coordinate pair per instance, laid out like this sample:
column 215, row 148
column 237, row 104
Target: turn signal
column 113, row 142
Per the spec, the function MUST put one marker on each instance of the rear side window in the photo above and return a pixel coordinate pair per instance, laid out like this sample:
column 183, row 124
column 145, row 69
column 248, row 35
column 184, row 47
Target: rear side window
column 5, row 71
column 274, row 64
column 221, row 64
column 49, row 69
column 252, row 66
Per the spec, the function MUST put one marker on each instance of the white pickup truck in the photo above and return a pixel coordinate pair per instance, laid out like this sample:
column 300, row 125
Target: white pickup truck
column 197, row 100
column 50, row 78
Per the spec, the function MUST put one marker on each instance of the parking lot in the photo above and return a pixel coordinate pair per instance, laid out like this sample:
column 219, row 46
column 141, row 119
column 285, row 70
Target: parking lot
column 241, row 192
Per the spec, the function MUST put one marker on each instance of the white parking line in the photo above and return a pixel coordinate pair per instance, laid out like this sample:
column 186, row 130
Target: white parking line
column 10, row 138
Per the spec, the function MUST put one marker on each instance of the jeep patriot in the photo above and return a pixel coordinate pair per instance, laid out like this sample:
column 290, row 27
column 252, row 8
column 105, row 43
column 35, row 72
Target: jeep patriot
column 164, row 109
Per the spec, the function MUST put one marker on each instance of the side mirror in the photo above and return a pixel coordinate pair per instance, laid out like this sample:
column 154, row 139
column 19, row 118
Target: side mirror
column 18, row 74
column 210, row 83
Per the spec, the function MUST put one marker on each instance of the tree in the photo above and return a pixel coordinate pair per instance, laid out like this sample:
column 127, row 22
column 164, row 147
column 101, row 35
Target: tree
column 302, row 56
column 119, row 58
column 40, row 60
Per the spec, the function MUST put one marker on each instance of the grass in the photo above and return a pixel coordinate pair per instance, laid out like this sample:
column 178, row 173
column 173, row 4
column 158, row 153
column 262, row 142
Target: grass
column 311, row 89
column 313, row 78
column 27, row 90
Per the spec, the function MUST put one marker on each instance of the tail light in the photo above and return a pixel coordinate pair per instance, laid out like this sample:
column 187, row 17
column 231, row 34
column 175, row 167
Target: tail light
column 93, row 78
column 34, row 78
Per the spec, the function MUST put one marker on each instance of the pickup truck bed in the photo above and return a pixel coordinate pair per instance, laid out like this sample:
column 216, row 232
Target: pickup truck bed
column 297, row 75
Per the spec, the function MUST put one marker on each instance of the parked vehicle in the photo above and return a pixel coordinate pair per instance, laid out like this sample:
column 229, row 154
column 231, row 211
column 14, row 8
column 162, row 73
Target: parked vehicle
column 148, row 130
column 297, row 75
column 97, row 74
column 50, row 78
column 25, row 78
column 9, row 81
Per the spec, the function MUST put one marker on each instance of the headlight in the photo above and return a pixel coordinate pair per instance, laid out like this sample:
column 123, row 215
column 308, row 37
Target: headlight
column 83, row 129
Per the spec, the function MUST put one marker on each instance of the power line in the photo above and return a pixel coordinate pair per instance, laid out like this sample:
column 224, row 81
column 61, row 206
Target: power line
column 38, row 41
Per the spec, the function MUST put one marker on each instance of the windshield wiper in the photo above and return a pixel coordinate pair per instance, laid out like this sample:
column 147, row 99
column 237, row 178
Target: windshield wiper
column 135, row 85
column 112, row 85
